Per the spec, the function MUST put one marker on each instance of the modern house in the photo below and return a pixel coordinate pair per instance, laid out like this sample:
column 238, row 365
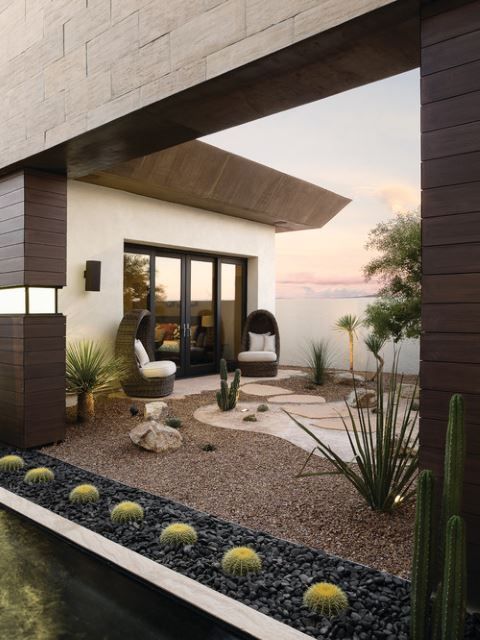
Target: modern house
column 100, row 103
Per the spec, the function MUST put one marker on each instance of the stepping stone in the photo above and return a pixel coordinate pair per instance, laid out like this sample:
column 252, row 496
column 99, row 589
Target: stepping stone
column 297, row 399
column 318, row 411
column 256, row 389
column 347, row 377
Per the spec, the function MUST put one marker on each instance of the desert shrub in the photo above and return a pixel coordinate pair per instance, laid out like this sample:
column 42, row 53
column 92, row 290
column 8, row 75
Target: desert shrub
column 178, row 534
column 262, row 408
column 84, row 493
column 241, row 561
column 175, row 423
column 11, row 463
column 318, row 360
column 39, row 475
column 127, row 512
column 326, row 599
column 380, row 471
column 250, row 418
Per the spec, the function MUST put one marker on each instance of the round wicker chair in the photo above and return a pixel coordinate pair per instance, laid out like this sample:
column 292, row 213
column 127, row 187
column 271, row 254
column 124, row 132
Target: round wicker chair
column 260, row 321
column 137, row 324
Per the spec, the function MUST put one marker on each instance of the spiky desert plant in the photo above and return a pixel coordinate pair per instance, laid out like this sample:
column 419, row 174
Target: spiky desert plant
column 175, row 423
column 349, row 323
column 11, row 463
column 422, row 566
column 90, row 369
column 240, row 561
column 375, row 344
column 227, row 397
column 380, row 471
column 326, row 599
column 318, row 360
column 84, row 493
column 262, row 408
column 127, row 511
column 178, row 534
column 39, row 475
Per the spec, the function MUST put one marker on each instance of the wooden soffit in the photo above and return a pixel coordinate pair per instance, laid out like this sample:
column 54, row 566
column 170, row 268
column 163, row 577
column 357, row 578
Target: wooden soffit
column 203, row 176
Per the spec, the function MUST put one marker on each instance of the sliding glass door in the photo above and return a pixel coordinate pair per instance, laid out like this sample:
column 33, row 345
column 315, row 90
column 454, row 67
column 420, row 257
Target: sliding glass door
column 197, row 302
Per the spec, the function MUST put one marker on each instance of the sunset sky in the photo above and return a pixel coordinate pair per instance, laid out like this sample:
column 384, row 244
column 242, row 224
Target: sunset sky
column 363, row 144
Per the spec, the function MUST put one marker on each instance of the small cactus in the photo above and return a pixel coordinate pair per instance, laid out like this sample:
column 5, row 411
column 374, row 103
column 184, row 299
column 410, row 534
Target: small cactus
column 11, row 463
column 250, row 418
column 325, row 599
column 175, row 423
column 227, row 397
column 178, row 534
column 39, row 475
column 262, row 408
column 240, row 561
column 84, row 493
column 126, row 512
column 453, row 606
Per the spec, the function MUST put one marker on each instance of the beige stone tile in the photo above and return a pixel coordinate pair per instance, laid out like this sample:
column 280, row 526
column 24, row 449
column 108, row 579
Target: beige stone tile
column 207, row 33
column 172, row 82
column 248, row 49
column 72, row 127
column 114, row 109
column 85, row 26
column 57, row 13
column 87, row 94
column 123, row 8
column 47, row 114
column 159, row 18
column 258, row 389
column 296, row 398
column 141, row 66
column 262, row 14
column 67, row 71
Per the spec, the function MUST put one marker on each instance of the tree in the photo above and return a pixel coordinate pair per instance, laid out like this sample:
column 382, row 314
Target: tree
column 349, row 323
column 396, row 314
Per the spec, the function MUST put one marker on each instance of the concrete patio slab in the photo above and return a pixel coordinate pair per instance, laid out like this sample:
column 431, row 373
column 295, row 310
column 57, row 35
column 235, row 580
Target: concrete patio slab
column 297, row 399
column 318, row 411
column 254, row 389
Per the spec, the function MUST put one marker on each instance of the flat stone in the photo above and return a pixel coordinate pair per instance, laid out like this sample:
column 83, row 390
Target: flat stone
column 363, row 398
column 256, row 389
column 347, row 377
column 152, row 436
column 319, row 411
column 297, row 399
column 154, row 410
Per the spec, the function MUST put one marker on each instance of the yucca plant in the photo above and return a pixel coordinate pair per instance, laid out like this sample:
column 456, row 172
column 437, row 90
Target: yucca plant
column 349, row 323
column 318, row 360
column 375, row 344
column 90, row 369
column 380, row 471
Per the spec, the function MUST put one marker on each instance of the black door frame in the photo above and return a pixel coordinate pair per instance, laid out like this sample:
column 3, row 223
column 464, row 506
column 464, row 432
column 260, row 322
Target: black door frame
column 186, row 368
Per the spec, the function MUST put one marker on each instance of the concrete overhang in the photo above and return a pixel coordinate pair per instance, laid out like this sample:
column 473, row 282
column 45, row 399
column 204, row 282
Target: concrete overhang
column 203, row 176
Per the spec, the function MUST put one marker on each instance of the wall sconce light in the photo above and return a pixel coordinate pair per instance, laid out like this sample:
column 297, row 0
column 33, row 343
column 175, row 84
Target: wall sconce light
column 92, row 275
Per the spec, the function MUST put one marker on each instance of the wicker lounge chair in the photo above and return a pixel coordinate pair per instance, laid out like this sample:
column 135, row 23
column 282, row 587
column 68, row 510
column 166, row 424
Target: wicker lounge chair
column 157, row 378
column 259, row 364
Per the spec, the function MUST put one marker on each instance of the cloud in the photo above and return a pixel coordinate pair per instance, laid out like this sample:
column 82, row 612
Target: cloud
column 309, row 279
column 398, row 197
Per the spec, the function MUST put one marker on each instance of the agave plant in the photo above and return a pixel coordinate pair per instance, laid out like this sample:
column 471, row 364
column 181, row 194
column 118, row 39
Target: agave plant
column 349, row 323
column 91, row 369
column 318, row 360
column 380, row 470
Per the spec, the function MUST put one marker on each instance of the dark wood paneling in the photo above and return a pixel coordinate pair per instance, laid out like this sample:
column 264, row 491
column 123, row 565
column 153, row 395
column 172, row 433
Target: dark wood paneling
column 452, row 199
column 450, row 24
column 463, row 287
column 450, row 347
column 434, row 459
column 455, row 229
column 451, row 141
column 432, row 433
column 451, row 82
column 450, row 376
column 451, row 170
column 454, row 52
column 451, row 112
column 451, row 258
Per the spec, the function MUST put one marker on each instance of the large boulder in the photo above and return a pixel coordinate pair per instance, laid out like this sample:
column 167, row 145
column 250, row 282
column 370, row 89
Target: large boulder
column 347, row 377
column 152, row 436
column 154, row 410
column 363, row 398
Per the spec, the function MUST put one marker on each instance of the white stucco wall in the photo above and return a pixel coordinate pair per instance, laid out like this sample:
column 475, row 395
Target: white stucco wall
column 100, row 220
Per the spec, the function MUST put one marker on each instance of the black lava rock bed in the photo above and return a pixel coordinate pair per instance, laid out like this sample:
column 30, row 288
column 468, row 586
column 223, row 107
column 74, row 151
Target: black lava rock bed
column 379, row 602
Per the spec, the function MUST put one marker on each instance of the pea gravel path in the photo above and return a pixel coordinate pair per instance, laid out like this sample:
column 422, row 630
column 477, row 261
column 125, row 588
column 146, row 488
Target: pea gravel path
column 248, row 479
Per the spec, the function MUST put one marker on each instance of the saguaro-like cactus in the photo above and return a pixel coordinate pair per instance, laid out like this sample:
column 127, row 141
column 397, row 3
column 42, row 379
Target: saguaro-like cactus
column 422, row 558
column 446, row 565
column 227, row 396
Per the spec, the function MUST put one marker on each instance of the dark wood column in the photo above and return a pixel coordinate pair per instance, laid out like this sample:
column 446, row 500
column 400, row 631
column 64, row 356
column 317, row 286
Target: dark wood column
column 450, row 346
column 33, row 207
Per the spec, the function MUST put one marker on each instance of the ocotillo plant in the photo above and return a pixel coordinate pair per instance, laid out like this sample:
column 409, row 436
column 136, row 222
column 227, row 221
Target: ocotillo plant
column 227, row 396
column 448, row 573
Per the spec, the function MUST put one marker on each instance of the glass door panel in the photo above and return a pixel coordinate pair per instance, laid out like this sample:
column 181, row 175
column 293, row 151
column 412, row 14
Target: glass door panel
column 201, row 324
column 168, row 309
column 136, row 281
column 231, row 311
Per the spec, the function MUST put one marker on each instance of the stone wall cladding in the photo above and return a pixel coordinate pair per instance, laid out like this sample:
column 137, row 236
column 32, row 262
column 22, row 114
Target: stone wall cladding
column 71, row 65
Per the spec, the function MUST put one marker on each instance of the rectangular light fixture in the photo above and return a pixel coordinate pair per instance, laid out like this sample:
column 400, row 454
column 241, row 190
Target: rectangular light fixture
column 93, row 274
column 28, row 300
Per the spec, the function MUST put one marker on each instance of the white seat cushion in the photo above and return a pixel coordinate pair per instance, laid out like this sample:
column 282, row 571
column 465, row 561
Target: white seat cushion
column 158, row 369
column 141, row 353
column 257, row 356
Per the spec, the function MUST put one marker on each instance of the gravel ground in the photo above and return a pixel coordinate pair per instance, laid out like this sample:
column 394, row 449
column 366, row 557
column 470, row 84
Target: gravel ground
column 249, row 479
column 379, row 603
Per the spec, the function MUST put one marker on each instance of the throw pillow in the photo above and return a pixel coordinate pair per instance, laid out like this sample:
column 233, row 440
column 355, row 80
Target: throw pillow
column 256, row 341
column 269, row 343
column 141, row 353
